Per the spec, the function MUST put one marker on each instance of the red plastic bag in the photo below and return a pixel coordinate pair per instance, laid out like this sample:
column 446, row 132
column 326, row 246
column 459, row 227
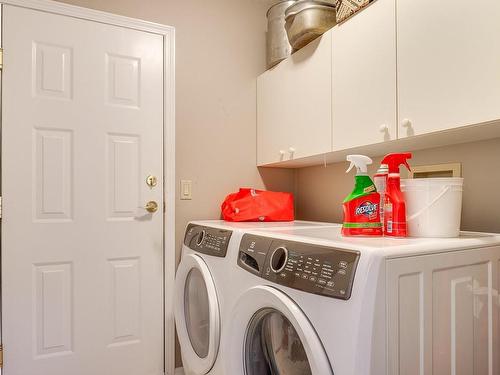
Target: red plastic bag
column 258, row 205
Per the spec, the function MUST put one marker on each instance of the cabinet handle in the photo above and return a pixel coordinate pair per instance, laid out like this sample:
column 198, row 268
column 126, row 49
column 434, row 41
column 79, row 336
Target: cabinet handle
column 291, row 150
column 384, row 128
column 406, row 123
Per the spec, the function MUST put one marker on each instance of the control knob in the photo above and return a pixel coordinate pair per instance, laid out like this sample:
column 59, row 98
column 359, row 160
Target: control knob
column 201, row 237
column 279, row 258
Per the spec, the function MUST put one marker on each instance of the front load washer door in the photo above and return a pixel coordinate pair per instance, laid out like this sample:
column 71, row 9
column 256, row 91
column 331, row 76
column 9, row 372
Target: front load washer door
column 270, row 335
column 197, row 315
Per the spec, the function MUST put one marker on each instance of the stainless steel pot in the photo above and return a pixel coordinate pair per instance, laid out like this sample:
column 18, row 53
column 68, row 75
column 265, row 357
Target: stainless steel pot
column 278, row 47
column 308, row 19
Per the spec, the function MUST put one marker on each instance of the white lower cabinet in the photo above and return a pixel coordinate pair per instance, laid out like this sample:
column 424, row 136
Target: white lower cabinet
column 442, row 313
column 294, row 115
column 448, row 64
column 364, row 78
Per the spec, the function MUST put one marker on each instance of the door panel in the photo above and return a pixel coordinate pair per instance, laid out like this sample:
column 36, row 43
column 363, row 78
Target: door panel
column 442, row 313
column 448, row 64
column 364, row 78
column 82, row 260
column 294, row 114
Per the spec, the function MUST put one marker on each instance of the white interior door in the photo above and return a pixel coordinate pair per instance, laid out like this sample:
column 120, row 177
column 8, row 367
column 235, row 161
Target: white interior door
column 82, row 262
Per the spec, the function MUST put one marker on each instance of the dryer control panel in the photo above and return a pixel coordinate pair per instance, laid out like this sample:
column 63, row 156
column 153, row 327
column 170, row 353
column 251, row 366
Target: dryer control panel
column 322, row 270
column 207, row 240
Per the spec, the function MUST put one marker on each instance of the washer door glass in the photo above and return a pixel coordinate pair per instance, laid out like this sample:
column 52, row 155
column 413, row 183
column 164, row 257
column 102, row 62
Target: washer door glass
column 197, row 311
column 273, row 346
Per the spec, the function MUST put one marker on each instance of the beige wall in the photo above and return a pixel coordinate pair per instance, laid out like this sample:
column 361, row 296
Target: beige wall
column 220, row 50
column 321, row 190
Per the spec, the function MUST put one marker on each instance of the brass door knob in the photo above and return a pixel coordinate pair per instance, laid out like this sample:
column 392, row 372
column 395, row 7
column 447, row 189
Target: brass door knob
column 151, row 206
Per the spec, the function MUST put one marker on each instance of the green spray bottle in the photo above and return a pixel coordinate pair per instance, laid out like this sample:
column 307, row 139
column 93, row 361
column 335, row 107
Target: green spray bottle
column 361, row 207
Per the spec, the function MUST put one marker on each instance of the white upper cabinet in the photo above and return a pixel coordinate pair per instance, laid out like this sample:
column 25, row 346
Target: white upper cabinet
column 364, row 78
column 294, row 99
column 448, row 64
column 397, row 69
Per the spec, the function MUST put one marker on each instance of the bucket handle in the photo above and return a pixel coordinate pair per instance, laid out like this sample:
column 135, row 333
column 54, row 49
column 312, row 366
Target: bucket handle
column 438, row 197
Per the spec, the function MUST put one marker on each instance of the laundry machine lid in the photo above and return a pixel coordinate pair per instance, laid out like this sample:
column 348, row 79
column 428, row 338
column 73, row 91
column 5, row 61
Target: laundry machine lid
column 197, row 314
column 270, row 334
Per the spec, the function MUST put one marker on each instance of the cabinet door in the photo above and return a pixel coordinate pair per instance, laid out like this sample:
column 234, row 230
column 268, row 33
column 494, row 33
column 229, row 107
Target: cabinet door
column 294, row 115
column 442, row 313
column 448, row 64
column 364, row 78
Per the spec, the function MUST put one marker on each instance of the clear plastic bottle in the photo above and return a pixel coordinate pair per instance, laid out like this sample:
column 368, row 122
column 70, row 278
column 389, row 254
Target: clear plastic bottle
column 380, row 181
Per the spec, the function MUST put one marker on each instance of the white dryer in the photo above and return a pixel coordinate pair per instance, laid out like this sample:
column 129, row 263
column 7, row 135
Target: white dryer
column 308, row 301
column 204, row 288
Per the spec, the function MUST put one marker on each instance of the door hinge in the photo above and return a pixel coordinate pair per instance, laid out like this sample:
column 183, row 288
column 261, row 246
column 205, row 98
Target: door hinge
column 1, row 58
column 1, row 356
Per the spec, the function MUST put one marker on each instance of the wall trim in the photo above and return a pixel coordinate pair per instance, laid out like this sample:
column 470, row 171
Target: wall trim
column 168, row 33
column 91, row 15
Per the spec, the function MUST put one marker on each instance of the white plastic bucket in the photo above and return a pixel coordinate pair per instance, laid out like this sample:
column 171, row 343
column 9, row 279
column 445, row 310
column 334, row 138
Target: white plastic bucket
column 433, row 206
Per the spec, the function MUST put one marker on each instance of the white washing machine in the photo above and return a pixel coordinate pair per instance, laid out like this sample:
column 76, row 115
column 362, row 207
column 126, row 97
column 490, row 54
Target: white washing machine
column 309, row 301
column 204, row 288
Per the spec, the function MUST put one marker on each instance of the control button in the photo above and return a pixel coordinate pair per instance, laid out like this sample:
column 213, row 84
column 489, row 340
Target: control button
column 201, row 237
column 305, row 276
column 342, row 291
column 322, row 281
column 343, row 264
column 297, row 274
column 330, row 284
column 313, row 279
column 279, row 259
column 342, row 272
column 283, row 274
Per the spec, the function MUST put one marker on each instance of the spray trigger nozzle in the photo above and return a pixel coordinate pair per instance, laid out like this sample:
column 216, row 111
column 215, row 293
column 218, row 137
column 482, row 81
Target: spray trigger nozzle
column 395, row 160
column 360, row 162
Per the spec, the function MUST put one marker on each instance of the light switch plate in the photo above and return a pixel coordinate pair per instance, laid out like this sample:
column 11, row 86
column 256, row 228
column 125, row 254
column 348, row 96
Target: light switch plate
column 186, row 190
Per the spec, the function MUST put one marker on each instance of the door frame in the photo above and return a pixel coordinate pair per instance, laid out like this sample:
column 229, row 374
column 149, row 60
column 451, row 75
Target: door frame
column 168, row 34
